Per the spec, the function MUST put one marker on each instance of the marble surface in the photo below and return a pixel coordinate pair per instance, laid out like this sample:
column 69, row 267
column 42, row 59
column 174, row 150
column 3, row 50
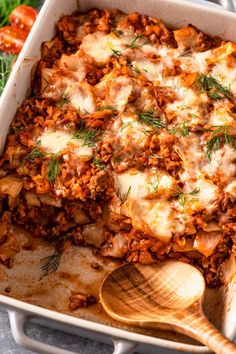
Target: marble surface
column 63, row 340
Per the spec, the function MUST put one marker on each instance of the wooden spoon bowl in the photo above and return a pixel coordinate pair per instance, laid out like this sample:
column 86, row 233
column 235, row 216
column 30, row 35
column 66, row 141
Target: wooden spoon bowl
column 166, row 295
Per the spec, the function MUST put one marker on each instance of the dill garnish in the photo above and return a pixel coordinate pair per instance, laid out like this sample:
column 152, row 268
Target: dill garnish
column 123, row 198
column 98, row 164
column 116, row 53
column 186, row 53
column 53, row 169
column 154, row 186
column 50, row 263
column 213, row 88
column 182, row 128
column 137, row 70
column 134, row 43
column 103, row 108
column 64, row 99
column 5, row 69
column 126, row 125
column 117, row 32
column 89, row 136
column 19, row 128
column 33, row 155
column 193, row 115
column 217, row 138
column 147, row 132
column 184, row 198
column 148, row 117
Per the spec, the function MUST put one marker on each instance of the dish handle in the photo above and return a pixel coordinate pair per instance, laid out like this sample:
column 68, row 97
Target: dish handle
column 226, row 4
column 18, row 322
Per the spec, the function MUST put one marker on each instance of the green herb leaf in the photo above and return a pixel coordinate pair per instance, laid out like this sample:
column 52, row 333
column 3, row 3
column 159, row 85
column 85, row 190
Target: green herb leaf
column 196, row 191
column 193, row 115
column 134, row 43
column 53, row 169
column 98, row 164
column 5, row 69
column 137, row 70
column 186, row 53
column 103, row 108
column 116, row 53
column 50, row 263
column 154, row 186
column 63, row 100
column 33, row 155
column 123, row 198
column 219, row 137
column 213, row 88
column 181, row 128
column 125, row 125
column 183, row 198
column 19, row 128
column 117, row 32
column 149, row 118
column 90, row 137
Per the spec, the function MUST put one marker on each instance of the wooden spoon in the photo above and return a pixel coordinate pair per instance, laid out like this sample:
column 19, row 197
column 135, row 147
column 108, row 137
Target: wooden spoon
column 167, row 295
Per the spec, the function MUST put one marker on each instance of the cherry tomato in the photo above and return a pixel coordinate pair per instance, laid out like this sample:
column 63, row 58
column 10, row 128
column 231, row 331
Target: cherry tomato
column 12, row 39
column 23, row 17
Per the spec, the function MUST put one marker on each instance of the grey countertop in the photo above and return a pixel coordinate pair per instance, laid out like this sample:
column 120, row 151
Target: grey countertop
column 63, row 340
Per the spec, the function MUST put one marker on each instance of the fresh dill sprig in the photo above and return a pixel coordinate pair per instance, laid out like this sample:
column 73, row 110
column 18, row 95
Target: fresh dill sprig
column 33, row 155
column 154, row 186
column 217, row 138
column 63, row 99
column 181, row 128
column 147, row 132
column 134, row 43
column 19, row 128
column 117, row 32
column 98, row 164
column 148, row 117
column 213, row 88
column 7, row 6
column 53, row 169
column 137, row 70
column 193, row 115
column 125, row 125
column 184, row 198
column 89, row 137
column 103, row 108
column 186, row 53
column 50, row 263
column 124, row 197
column 5, row 69
column 116, row 53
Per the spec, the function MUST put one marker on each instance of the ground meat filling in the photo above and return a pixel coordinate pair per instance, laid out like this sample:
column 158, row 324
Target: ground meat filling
column 126, row 144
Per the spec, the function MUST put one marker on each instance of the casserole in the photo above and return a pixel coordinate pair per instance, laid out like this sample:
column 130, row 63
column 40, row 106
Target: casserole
column 25, row 70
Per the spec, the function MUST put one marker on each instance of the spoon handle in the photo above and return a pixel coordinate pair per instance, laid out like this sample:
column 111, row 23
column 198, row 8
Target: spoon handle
column 197, row 326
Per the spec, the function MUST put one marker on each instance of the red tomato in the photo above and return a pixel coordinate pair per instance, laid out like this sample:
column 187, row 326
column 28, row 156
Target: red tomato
column 12, row 39
column 23, row 17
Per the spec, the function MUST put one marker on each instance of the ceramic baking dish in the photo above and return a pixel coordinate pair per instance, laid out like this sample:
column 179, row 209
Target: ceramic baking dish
column 23, row 305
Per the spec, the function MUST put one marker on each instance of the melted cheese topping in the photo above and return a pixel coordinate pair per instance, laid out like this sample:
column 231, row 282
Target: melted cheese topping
column 160, row 83
column 156, row 218
column 101, row 46
column 57, row 141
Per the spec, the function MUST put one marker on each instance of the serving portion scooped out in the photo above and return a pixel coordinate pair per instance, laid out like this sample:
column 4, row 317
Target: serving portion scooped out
column 127, row 143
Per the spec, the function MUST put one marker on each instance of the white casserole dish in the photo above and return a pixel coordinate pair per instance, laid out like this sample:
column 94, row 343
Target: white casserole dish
column 175, row 13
